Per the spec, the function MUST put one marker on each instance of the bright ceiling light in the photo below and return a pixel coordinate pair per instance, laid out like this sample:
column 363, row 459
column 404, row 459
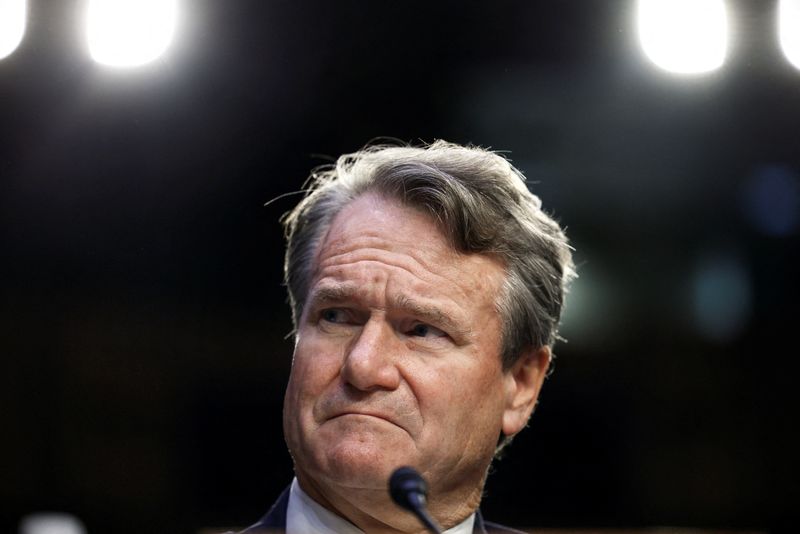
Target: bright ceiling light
column 789, row 30
column 12, row 25
column 684, row 36
column 128, row 33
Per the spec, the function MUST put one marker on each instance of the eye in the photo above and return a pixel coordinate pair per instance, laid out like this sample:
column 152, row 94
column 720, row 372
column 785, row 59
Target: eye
column 426, row 330
column 333, row 315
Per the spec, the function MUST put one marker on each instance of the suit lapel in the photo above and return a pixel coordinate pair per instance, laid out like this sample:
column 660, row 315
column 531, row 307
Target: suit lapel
column 275, row 519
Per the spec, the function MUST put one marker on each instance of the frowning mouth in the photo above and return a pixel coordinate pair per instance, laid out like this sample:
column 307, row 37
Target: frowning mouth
column 369, row 415
column 364, row 414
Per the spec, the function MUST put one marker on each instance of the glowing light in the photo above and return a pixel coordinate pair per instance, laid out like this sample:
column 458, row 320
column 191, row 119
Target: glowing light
column 722, row 297
column 51, row 523
column 128, row 33
column 684, row 36
column 789, row 30
column 597, row 308
column 12, row 25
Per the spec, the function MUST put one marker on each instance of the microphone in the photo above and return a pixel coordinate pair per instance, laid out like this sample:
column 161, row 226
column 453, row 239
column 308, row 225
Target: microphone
column 410, row 491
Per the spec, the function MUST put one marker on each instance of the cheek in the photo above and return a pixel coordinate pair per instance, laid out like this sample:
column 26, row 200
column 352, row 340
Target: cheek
column 314, row 366
column 452, row 393
column 464, row 398
column 313, row 370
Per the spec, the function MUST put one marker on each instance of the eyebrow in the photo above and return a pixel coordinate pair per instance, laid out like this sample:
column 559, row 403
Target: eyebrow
column 429, row 314
column 332, row 294
column 337, row 294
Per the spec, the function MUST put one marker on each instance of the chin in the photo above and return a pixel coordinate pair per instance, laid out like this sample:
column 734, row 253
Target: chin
column 355, row 463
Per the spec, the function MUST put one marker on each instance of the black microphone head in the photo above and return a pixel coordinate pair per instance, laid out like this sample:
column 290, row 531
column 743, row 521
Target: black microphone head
column 407, row 487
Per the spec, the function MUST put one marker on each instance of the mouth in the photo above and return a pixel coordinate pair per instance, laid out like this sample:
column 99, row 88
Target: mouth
column 364, row 414
column 370, row 415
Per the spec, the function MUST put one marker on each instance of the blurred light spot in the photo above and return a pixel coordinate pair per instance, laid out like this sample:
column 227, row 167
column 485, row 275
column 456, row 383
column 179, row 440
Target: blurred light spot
column 771, row 199
column 789, row 30
column 51, row 523
column 684, row 36
column 128, row 33
column 593, row 313
column 721, row 297
column 12, row 25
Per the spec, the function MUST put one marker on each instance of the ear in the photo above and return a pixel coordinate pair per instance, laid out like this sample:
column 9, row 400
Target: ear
column 522, row 384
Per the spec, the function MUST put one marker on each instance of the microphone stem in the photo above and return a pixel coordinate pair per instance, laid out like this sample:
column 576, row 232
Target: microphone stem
column 418, row 503
column 428, row 521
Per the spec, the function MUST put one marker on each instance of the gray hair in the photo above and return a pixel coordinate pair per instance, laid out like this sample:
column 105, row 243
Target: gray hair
column 480, row 202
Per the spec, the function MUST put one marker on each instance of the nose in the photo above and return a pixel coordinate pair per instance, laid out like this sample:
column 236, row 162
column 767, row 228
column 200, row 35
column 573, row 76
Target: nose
column 369, row 364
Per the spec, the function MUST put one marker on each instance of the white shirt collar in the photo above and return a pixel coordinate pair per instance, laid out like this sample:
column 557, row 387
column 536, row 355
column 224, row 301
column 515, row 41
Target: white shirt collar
column 305, row 516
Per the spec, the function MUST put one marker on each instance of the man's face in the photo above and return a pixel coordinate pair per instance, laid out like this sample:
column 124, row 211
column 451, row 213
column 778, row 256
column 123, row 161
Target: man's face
column 397, row 358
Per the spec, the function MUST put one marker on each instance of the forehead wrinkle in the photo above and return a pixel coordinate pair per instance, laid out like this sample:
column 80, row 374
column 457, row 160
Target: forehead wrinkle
column 341, row 235
column 404, row 259
column 357, row 257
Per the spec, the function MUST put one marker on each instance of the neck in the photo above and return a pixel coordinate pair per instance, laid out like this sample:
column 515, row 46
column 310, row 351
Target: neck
column 373, row 511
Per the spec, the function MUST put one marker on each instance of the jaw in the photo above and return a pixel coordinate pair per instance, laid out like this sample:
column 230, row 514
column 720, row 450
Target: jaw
column 356, row 452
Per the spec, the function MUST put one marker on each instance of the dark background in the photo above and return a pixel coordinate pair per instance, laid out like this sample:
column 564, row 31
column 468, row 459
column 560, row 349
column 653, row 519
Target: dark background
column 142, row 317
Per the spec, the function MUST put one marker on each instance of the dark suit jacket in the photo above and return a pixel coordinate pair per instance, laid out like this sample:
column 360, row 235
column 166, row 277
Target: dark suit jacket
column 275, row 521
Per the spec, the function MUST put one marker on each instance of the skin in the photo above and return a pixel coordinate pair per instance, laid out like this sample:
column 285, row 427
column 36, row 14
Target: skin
column 397, row 362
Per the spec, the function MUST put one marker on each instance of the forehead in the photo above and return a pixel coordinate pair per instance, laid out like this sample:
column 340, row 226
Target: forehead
column 372, row 217
column 386, row 244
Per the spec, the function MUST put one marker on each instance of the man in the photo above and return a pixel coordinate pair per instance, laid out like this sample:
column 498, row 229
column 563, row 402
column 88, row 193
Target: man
column 426, row 287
